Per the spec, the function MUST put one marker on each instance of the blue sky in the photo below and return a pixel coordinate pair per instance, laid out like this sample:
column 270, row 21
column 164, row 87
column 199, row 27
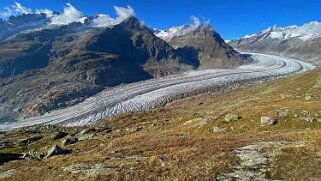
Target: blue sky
column 231, row 18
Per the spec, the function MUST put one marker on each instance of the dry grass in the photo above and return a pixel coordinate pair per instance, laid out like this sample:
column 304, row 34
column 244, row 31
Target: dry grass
column 160, row 145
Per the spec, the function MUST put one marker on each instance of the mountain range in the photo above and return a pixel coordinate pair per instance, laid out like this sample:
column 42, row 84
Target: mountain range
column 46, row 66
column 300, row 42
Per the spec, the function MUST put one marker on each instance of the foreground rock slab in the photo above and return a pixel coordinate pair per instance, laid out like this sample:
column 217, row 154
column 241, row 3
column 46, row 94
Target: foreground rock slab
column 254, row 161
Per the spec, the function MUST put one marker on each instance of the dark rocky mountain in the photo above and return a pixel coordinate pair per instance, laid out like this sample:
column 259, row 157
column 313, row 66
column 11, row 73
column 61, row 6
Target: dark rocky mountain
column 53, row 68
column 300, row 42
column 56, row 67
column 207, row 48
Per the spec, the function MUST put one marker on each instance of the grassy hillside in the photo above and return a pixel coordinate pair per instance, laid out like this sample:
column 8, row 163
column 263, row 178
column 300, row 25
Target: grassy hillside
column 188, row 139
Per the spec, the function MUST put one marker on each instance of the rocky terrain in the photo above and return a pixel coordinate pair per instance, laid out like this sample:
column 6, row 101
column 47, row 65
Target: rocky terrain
column 51, row 65
column 270, row 131
column 300, row 42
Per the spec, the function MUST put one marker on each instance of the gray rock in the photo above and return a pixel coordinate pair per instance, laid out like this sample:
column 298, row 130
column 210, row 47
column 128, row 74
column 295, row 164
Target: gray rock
column 215, row 117
column 30, row 140
column 135, row 129
column 6, row 157
column 89, row 169
column 201, row 123
column 308, row 97
column 59, row 135
column 56, row 150
column 87, row 131
column 283, row 112
column 310, row 119
column 8, row 173
column 267, row 121
column 86, row 137
column 254, row 161
column 232, row 117
column 218, row 129
column 69, row 141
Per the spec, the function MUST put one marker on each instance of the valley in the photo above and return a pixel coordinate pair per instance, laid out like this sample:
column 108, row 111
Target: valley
column 158, row 92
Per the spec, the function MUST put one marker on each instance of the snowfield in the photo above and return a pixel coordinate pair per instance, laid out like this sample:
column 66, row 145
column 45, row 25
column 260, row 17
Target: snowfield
column 154, row 93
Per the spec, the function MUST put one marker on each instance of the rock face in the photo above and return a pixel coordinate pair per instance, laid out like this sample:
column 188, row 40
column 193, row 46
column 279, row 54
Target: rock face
column 300, row 42
column 204, row 48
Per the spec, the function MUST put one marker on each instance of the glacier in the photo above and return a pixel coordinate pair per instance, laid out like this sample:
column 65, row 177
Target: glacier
column 153, row 93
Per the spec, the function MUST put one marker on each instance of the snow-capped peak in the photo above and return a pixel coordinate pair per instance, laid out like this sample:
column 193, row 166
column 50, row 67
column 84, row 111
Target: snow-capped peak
column 178, row 31
column 174, row 32
column 305, row 32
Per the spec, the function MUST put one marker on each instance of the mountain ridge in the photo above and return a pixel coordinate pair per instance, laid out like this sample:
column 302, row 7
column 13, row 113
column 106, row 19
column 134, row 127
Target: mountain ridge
column 293, row 41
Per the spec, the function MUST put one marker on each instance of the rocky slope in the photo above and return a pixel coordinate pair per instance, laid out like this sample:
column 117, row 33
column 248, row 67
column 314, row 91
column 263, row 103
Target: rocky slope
column 301, row 42
column 206, row 137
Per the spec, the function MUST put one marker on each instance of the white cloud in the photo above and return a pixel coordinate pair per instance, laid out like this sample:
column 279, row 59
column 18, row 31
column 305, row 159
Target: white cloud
column 123, row 12
column 7, row 12
column 46, row 11
column 21, row 9
column 70, row 14
column 14, row 10
column 196, row 21
column 103, row 20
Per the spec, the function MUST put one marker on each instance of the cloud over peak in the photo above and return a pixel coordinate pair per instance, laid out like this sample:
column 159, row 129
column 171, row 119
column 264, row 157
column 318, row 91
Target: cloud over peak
column 14, row 10
column 71, row 14
column 104, row 20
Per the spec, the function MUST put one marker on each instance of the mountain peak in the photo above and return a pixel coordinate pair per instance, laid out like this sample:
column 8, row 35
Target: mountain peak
column 132, row 22
column 204, row 30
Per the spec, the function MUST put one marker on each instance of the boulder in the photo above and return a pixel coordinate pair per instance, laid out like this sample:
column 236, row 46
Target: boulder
column 30, row 140
column 310, row 119
column 218, row 129
column 87, row 131
column 56, row 150
column 69, row 141
column 215, row 117
column 59, row 135
column 283, row 112
column 232, row 117
column 267, row 121
column 6, row 157
column 308, row 97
